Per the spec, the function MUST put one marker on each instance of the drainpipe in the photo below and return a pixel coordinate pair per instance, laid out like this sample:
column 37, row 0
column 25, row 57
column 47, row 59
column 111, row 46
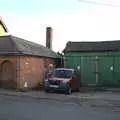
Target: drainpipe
column 18, row 82
column 64, row 59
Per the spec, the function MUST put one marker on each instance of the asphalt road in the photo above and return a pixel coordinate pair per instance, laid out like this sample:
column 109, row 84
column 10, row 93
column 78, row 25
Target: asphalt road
column 13, row 108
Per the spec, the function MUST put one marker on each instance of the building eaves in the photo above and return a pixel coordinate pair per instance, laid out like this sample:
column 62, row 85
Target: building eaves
column 16, row 46
column 92, row 46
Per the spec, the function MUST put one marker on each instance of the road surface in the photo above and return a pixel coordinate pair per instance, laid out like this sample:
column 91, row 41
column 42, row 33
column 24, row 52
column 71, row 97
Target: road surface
column 16, row 108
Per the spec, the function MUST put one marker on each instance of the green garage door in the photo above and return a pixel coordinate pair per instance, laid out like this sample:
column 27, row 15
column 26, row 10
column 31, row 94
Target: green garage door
column 106, row 71
column 88, row 71
column 117, row 71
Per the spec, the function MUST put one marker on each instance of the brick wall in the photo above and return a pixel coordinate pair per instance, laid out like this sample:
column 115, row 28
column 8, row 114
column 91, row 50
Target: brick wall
column 32, row 70
column 28, row 69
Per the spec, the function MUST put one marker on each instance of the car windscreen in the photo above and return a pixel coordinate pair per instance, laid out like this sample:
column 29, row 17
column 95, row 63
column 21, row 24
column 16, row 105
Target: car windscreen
column 63, row 73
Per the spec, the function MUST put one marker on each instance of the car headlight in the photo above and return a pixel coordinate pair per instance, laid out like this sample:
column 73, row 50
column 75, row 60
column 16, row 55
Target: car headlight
column 46, row 80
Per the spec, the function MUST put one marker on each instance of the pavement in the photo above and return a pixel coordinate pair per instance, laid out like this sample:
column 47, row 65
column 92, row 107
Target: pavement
column 87, row 98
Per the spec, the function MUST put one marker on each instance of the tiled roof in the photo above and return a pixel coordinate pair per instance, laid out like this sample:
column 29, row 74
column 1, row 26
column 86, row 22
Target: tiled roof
column 92, row 46
column 11, row 45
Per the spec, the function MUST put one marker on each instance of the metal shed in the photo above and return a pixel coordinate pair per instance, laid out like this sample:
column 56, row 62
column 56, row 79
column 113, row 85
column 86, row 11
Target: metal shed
column 99, row 62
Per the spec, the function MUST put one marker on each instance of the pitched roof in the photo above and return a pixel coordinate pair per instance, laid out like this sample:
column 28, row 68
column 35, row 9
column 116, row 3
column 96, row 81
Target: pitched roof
column 92, row 46
column 3, row 25
column 11, row 45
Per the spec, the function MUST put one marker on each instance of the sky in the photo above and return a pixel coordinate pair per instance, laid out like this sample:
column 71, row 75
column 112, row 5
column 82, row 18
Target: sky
column 71, row 20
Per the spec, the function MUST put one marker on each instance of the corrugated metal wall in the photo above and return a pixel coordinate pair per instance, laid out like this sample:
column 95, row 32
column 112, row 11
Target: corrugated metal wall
column 96, row 68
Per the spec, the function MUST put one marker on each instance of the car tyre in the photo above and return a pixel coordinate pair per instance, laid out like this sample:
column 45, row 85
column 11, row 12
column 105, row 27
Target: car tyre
column 46, row 90
column 69, row 90
column 78, row 90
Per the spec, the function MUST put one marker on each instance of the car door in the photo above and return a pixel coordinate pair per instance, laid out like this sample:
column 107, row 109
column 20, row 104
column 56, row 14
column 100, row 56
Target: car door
column 74, row 81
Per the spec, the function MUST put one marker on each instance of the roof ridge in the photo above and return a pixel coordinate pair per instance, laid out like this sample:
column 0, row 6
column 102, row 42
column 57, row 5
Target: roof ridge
column 42, row 46
column 14, row 43
column 93, row 46
column 93, row 41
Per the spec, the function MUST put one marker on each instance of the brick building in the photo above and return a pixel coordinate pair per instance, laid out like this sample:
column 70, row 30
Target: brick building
column 23, row 61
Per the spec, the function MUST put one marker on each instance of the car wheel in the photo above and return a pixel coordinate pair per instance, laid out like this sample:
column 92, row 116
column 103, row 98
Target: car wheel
column 78, row 90
column 46, row 90
column 69, row 91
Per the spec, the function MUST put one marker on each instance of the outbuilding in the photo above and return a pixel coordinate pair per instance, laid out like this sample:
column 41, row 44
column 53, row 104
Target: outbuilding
column 23, row 62
column 97, row 62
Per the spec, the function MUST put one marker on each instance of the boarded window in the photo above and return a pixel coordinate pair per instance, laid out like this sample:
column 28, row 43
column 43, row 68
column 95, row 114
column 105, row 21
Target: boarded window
column 7, row 75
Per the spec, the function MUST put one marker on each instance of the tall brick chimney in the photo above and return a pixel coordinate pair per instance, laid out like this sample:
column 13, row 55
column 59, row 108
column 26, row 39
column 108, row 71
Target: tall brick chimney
column 49, row 37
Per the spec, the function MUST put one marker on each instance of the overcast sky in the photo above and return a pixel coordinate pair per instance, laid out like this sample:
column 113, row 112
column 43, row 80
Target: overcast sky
column 71, row 20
